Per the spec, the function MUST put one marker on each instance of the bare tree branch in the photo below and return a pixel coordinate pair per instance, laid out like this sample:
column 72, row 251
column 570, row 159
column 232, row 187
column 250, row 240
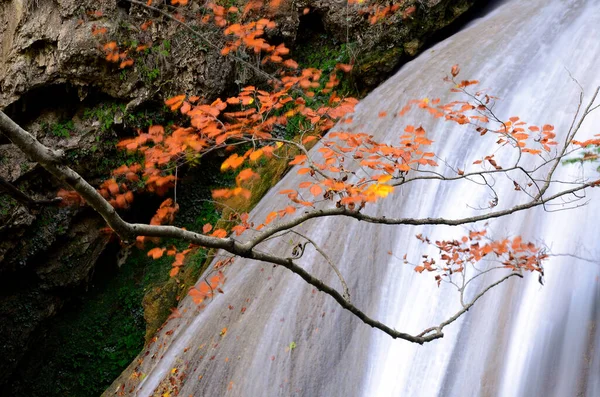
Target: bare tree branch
column 51, row 161
column 342, row 211
column 329, row 261
column 23, row 198
column 568, row 139
column 439, row 328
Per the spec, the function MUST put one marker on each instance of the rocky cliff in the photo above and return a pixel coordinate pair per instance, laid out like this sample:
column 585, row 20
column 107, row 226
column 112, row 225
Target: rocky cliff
column 55, row 81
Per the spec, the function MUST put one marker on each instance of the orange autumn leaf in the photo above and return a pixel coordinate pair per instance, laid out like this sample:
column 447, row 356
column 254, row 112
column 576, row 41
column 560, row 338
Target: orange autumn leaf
column 239, row 229
column 175, row 102
column 298, row 160
column 221, row 193
column 308, row 139
column 156, row 253
column 289, row 63
column 344, row 67
column 316, row 190
column 185, row 108
column 455, row 70
column 270, row 217
column 256, row 154
column 98, row 31
column 126, row 63
column 234, row 161
column 146, row 25
column 247, row 174
column 219, row 233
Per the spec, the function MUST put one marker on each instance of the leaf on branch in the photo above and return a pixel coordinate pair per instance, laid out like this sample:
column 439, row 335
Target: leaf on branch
column 299, row 159
column 175, row 102
column 308, row 139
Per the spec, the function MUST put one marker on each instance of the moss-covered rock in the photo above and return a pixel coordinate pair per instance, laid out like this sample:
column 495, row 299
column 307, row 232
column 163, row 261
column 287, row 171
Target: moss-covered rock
column 157, row 302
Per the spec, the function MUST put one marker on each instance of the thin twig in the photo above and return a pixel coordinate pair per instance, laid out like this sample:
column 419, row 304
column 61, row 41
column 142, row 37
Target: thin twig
column 333, row 266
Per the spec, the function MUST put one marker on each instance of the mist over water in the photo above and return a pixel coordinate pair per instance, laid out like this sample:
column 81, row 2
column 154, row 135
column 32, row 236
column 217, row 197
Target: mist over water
column 522, row 339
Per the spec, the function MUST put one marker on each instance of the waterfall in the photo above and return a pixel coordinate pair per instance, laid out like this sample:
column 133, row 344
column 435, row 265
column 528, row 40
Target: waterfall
column 522, row 339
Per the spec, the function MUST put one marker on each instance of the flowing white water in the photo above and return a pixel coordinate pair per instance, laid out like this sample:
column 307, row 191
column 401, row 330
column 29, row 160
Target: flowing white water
column 520, row 340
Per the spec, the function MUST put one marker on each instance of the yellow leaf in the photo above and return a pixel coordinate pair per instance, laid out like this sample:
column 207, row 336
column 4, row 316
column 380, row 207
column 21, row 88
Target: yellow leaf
column 381, row 190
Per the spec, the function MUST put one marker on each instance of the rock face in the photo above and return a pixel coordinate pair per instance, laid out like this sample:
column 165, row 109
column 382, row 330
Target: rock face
column 54, row 256
column 45, row 43
column 380, row 48
column 52, row 71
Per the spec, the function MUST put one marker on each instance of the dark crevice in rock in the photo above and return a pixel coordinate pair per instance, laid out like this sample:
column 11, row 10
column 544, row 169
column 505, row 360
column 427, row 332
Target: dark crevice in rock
column 310, row 24
column 311, row 30
column 60, row 98
column 478, row 10
column 39, row 46
column 124, row 5
column 42, row 343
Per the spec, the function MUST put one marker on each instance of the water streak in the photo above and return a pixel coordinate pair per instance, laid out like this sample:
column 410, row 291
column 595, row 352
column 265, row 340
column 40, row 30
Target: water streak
column 520, row 340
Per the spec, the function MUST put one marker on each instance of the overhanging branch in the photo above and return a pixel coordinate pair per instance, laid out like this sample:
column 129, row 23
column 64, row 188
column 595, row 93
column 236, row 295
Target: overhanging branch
column 51, row 161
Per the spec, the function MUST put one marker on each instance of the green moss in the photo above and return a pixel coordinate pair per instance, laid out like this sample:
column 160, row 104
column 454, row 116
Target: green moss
column 7, row 204
column 149, row 74
column 64, row 129
column 324, row 54
column 90, row 344
column 382, row 58
column 157, row 302
column 104, row 114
